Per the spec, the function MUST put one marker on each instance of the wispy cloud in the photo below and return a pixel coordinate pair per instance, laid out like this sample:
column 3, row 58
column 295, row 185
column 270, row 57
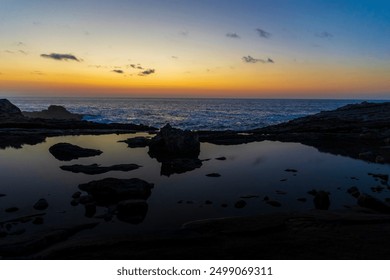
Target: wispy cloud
column 138, row 66
column 147, row 72
column 233, row 35
column 184, row 33
column 118, row 71
column 250, row 59
column 262, row 33
column 22, row 52
column 60, row 56
column 174, row 57
column 324, row 34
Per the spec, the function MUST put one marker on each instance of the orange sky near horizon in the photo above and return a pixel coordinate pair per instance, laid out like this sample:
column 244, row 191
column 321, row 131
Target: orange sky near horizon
column 195, row 49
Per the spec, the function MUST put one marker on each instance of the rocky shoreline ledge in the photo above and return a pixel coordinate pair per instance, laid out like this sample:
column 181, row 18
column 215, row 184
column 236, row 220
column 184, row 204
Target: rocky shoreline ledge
column 360, row 131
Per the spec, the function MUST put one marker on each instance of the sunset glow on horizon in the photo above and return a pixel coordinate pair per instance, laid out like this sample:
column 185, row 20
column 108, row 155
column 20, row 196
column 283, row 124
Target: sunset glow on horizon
column 173, row 48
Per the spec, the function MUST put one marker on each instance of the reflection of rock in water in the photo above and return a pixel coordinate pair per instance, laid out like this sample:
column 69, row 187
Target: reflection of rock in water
column 179, row 165
column 176, row 149
column 97, row 169
column 125, row 198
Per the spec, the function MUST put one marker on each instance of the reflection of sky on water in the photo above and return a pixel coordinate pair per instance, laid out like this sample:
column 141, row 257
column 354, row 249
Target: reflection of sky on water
column 31, row 173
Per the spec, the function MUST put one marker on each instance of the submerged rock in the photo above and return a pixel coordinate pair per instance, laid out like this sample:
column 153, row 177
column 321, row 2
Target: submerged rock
column 11, row 209
column 113, row 189
column 97, row 169
column 41, row 204
column 354, row 191
column 273, row 203
column 67, row 152
column 240, row 204
column 174, row 143
column 220, row 158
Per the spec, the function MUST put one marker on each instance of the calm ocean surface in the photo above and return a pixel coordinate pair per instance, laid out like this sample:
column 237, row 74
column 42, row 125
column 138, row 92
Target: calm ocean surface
column 196, row 114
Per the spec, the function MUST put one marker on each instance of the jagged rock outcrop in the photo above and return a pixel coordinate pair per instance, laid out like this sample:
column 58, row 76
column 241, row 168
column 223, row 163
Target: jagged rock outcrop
column 9, row 112
column 54, row 112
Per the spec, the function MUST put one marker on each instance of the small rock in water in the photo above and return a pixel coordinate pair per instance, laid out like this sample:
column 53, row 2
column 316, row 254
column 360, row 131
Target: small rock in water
column 189, row 202
column 208, row 202
column 41, row 204
column 11, row 209
column 291, row 170
column 321, row 200
column 249, row 196
column 180, row 202
column 302, row 199
column 1, row 195
column 76, row 195
column 383, row 177
column 283, row 180
column 266, row 198
column 220, row 158
column 240, row 204
column 224, row 205
column 213, row 175
column 274, row 203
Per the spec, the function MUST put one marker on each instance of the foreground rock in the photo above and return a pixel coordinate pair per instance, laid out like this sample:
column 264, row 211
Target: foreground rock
column 54, row 112
column 97, row 169
column 67, row 152
column 174, row 143
column 113, row 189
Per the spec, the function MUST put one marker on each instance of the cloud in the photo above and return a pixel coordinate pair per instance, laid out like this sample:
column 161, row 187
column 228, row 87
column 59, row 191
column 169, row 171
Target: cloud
column 22, row 52
column 250, row 59
column 174, row 57
column 147, row 72
column 324, row 34
column 184, row 33
column 262, row 33
column 118, row 71
column 59, row 56
column 233, row 35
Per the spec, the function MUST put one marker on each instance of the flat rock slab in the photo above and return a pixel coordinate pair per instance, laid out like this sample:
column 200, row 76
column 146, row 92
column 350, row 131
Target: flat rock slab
column 97, row 169
column 117, row 189
column 137, row 142
column 67, row 152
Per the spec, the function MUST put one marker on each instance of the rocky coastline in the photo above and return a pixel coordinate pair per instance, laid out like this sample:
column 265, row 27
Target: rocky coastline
column 360, row 131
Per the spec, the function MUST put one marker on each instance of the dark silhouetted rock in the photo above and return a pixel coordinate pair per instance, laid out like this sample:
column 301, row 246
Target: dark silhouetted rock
column 354, row 191
column 179, row 165
column 55, row 112
column 373, row 203
column 274, row 203
column 215, row 175
column 132, row 211
column 9, row 112
column 291, row 170
column 76, row 195
column 90, row 210
column 97, row 169
column 67, row 152
column 85, row 199
column 11, row 209
column 321, row 200
column 2, row 195
column 174, row 143
column 137, row 142
column 208, row 202
column 112, row 189
column 383, row 177
column 220, row 158
column 41, row 204
column 302, row 199
column 240, row 204
column 249, row 196
column 312, row 192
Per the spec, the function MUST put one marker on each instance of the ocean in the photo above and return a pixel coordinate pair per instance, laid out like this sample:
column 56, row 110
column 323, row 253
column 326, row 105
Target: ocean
column 192, row 114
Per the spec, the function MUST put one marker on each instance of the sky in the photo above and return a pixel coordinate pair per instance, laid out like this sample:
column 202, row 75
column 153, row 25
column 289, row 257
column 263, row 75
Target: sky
column 195, row 48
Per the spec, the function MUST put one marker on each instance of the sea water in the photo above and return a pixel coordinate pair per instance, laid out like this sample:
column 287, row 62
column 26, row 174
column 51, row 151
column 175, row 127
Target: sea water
column 193, row 114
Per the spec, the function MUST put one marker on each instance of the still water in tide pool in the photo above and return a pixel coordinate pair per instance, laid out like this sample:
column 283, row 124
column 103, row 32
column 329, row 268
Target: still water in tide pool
column 255, row 170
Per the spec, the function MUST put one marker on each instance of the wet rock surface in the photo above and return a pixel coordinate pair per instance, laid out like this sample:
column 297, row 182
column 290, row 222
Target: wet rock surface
column 68, row 152
column 97, row 169
column 41, row 204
